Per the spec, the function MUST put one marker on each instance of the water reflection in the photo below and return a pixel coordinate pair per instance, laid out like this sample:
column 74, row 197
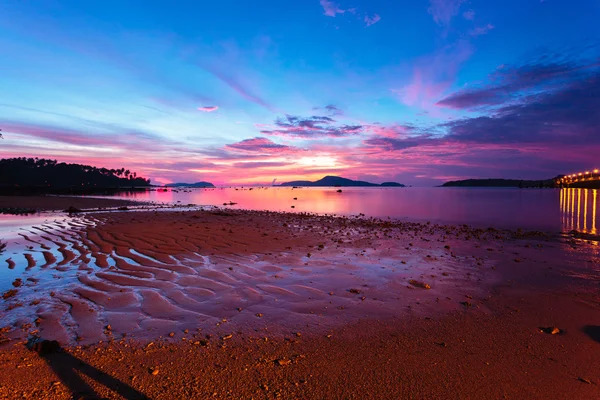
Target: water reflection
column 579, row 210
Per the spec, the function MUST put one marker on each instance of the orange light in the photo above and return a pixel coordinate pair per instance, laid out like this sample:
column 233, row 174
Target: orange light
column 587, row 172
column 596, row 171
column 580, row 174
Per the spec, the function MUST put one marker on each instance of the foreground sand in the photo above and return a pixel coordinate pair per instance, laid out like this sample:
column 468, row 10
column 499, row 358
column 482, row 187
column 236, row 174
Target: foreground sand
column 229, row 304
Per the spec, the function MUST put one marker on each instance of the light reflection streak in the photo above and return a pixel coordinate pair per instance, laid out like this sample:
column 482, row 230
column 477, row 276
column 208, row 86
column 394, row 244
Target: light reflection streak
column 579, row 210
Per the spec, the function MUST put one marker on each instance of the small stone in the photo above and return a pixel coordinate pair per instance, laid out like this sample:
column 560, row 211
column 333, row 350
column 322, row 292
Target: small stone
column 419, row 284
column 581, row 379
column 354, row 291
column 171, row 334
column 283, row 361
column 154, row 371
column 259, row 315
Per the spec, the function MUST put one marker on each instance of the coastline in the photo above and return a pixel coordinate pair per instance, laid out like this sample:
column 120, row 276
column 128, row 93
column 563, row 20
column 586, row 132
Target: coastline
column 399, row 341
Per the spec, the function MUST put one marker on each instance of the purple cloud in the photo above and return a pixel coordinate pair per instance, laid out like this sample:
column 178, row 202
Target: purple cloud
column 331, row 9
column 548, row 73
column 208, row 108
column 313, row 127
column 372, row 20
column 260, row 145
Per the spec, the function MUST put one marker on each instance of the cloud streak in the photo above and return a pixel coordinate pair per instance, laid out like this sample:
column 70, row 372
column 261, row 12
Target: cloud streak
column 208, row 108
column 314, row 127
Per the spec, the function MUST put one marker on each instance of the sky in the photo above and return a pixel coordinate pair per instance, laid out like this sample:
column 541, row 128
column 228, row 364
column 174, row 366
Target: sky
column 255, row 92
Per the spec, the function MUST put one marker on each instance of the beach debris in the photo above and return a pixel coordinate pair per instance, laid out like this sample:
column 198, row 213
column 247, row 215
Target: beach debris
column 419, row 284
column 17, row 282
column 466, row 304
column 259, row 315
column 339, row 190
column 2, row 246
column 283, row 361
column 154, row 371
column 171, row 334
column 9, row 293
column 354, row 291
column 584, row 380
column 227, row 337
column 551, row 330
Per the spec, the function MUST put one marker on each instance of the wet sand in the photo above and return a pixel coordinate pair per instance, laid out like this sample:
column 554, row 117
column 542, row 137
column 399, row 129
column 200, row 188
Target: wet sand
column 234, row 304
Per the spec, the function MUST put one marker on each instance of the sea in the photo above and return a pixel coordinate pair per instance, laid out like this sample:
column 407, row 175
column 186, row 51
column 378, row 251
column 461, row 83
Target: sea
column 548, row 210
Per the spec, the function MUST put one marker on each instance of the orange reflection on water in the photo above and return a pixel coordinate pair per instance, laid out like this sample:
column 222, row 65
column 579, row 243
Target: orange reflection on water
column 584, row 216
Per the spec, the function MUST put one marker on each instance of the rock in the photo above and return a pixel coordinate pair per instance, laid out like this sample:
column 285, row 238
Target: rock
column 419, row 284
column 354, row 291
column 154, row 371
column 581, row 379
column 466, row 304
column 17, row 282
column 283, row 361
column 8, row 294
column 551, row 330
column 73, row 210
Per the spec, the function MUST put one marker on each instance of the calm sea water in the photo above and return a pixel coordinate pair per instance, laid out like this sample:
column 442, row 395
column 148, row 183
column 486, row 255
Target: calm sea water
column 533, row 209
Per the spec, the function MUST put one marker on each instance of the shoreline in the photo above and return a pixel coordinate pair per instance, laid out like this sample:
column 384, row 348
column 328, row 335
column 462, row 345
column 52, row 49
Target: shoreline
column 474, row 334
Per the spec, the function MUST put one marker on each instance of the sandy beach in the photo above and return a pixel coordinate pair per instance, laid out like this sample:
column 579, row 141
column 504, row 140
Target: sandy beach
column 238, row 304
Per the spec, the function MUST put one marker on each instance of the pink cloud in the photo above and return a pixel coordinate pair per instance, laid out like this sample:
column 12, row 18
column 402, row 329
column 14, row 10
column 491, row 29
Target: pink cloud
column 331, row 8
column 481, row 30
column 208, row 108
column 372, row 20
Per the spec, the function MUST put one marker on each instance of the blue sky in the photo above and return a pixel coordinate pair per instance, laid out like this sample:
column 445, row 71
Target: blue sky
column 246, row 92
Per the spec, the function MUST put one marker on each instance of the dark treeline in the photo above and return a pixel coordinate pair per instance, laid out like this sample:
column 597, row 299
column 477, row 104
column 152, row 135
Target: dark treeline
column 41, row 175
column 518, row 183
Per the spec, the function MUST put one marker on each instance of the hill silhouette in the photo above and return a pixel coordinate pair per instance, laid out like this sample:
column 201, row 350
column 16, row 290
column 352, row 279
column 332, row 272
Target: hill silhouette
column 339, row 181
column 42, row 175
column 194, row 185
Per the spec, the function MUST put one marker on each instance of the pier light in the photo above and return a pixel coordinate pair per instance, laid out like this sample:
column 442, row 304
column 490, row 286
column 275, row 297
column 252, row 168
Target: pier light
column 596, row 171
column 587, row 172
column 580, row 174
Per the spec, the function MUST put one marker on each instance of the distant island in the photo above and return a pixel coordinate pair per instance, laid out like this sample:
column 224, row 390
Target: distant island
column 518, row 183
column 337, row 181
column 37, row 175
column 191, row 185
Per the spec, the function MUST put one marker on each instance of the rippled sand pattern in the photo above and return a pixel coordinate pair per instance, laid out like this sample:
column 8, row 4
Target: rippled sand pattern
column 146, row 274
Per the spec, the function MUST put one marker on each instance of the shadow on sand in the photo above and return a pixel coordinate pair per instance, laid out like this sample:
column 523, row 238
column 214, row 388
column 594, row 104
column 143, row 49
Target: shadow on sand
column 593, row 331
column 69, row 369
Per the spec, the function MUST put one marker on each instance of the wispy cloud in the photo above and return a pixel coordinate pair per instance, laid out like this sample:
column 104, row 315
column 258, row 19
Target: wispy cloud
column 330, row 109
column 330, row 8
column 443, row 11
column 372, row 20
column 313, row 127
column 239, row 88
column 481, row 30
column 208, row 108
column 260, row 145
column 433, row 75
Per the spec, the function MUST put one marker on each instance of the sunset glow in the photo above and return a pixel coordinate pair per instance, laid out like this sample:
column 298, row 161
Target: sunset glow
column 413, row 92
